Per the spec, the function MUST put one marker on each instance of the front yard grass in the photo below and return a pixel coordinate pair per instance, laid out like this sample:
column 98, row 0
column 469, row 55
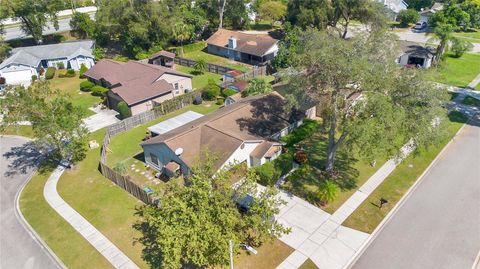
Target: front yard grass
column 457, row 72
column 21, row 130
column 127, row 144
column 308, row 264
column 354, row 173
column 71, row 86
column 269, row 256
column 366, row 217
column 67, row 243
column 199, row 81
column 473, row 35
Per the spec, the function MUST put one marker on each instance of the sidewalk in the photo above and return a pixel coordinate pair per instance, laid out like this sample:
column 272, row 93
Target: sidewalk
column 320, row 236
column 116, row 257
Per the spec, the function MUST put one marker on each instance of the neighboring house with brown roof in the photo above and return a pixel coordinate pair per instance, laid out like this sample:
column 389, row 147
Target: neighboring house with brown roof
column 138, row 84
column 248, row 48
column 244, row 132
column 163, row 58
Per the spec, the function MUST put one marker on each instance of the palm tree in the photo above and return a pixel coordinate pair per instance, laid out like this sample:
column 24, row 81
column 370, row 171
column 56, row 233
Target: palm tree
column 200, row 66
column 257, row 86
column 328, row 191
column 182, row 32
column 443, row 34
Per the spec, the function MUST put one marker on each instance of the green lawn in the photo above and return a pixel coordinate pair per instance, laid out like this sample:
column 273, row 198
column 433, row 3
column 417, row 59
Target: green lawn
column 127, row 144
column 472, row 36
column 108, row 207
column 214, row 59
column 269, row 256
column 470, row 101
column 68, row 244
column 199, row 81
column 21, row 130
column 308, row 264
column 366, row 217
column 354, row 173
column 72, row 88
column 456, row 71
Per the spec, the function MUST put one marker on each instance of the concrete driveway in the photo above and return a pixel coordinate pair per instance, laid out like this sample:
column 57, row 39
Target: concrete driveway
column 101, row 119
column 18, row 248
column 439, row 224
column 422, row 37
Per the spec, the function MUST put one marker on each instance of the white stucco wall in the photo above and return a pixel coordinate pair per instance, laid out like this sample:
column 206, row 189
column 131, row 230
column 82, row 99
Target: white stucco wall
column 16, row 74
column 184, row 83
column 76, row 63
column 273, row 49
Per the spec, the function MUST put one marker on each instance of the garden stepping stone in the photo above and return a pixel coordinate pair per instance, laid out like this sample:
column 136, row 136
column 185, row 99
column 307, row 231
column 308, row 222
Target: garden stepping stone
column 137, row 170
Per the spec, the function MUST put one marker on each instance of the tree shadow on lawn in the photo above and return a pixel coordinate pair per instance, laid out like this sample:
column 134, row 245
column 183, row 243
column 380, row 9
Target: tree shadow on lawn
column 304, row 182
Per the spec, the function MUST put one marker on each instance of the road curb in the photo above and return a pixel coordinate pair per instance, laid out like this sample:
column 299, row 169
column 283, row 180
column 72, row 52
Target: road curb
column 36, row 237
column 400, row 203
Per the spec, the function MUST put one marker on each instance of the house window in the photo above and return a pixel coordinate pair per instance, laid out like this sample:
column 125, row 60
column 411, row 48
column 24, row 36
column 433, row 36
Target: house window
column 154, row 159
column 176, row 88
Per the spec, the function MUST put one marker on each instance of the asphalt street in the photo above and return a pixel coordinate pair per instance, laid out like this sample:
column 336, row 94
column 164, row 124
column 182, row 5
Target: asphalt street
column 16, row 32
column 18, row 249
column 438, row 226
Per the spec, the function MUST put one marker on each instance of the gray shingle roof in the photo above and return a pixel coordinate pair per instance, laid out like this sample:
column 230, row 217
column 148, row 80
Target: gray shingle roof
column 32, row 55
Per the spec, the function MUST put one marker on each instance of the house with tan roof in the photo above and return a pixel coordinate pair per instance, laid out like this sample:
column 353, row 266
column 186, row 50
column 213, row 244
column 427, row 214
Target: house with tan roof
column 140, row 85
column 238, row 46
column 247, row 131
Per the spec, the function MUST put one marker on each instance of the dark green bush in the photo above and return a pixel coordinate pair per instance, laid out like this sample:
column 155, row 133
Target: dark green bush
column 70, row 73
column 220, row 101
column 86, row 86
column 408, row 16
column 305, row 130
column 60, row 65
column 34, row 78
column 124, row 110
column 99, row 91
column 83, row 69
column 50, row 73
column 227, row 92
column 270, row 172
column 211, row 91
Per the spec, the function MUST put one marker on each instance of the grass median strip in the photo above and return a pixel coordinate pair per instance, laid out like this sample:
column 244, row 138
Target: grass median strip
column 67, row 243
column 367, row 216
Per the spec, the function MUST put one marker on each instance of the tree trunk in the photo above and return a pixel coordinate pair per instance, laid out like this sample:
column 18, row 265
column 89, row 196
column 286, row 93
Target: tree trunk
column 345, row 29
column 332, row 143
column 220, row 11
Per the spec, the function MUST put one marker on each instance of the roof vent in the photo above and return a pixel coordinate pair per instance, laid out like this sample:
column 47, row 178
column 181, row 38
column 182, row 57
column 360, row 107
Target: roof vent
column 179, row 151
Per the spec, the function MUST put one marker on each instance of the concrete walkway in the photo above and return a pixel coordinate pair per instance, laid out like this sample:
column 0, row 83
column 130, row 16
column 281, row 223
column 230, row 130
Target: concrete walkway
column 320, row 236
column 474, row 82
column 116, row 257
column 102, row 119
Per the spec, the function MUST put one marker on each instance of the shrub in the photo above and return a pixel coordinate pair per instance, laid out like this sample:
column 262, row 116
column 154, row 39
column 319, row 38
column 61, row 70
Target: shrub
column 408, row 16
column 50, row 73
column 328, row 191
column 99, row 91
column 267, row 173
column 123, row 110
column 60, row 65
column 83, row 69
column 220, row 101
column 86, row 86
column 120, row 168
column 305, row 130
column 227, row 92
column 70, row 73
column 211, row 91
column 200, row 66
column 459, row 47
column 34, row 78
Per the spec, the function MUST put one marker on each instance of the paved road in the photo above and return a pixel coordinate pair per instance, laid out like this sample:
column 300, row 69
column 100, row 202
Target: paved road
column 17, row 247
column 16, row 32
column 421, row 37
column 439, row 224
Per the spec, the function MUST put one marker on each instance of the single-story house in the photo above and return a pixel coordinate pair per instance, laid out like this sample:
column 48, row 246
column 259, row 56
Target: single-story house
column 394, row 7
column 415, row 55
column 238, row 46
column 426, row 13
column 25, row 62
column 244, row 132
column 140, row 85
column 163, row 58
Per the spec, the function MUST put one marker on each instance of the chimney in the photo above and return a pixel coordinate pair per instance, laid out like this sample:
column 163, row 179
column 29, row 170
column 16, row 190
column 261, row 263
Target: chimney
column 232, row 42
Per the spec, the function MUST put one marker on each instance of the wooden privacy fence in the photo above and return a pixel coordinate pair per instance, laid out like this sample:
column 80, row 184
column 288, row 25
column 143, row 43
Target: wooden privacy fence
column 161, row 109
column 213, row 68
